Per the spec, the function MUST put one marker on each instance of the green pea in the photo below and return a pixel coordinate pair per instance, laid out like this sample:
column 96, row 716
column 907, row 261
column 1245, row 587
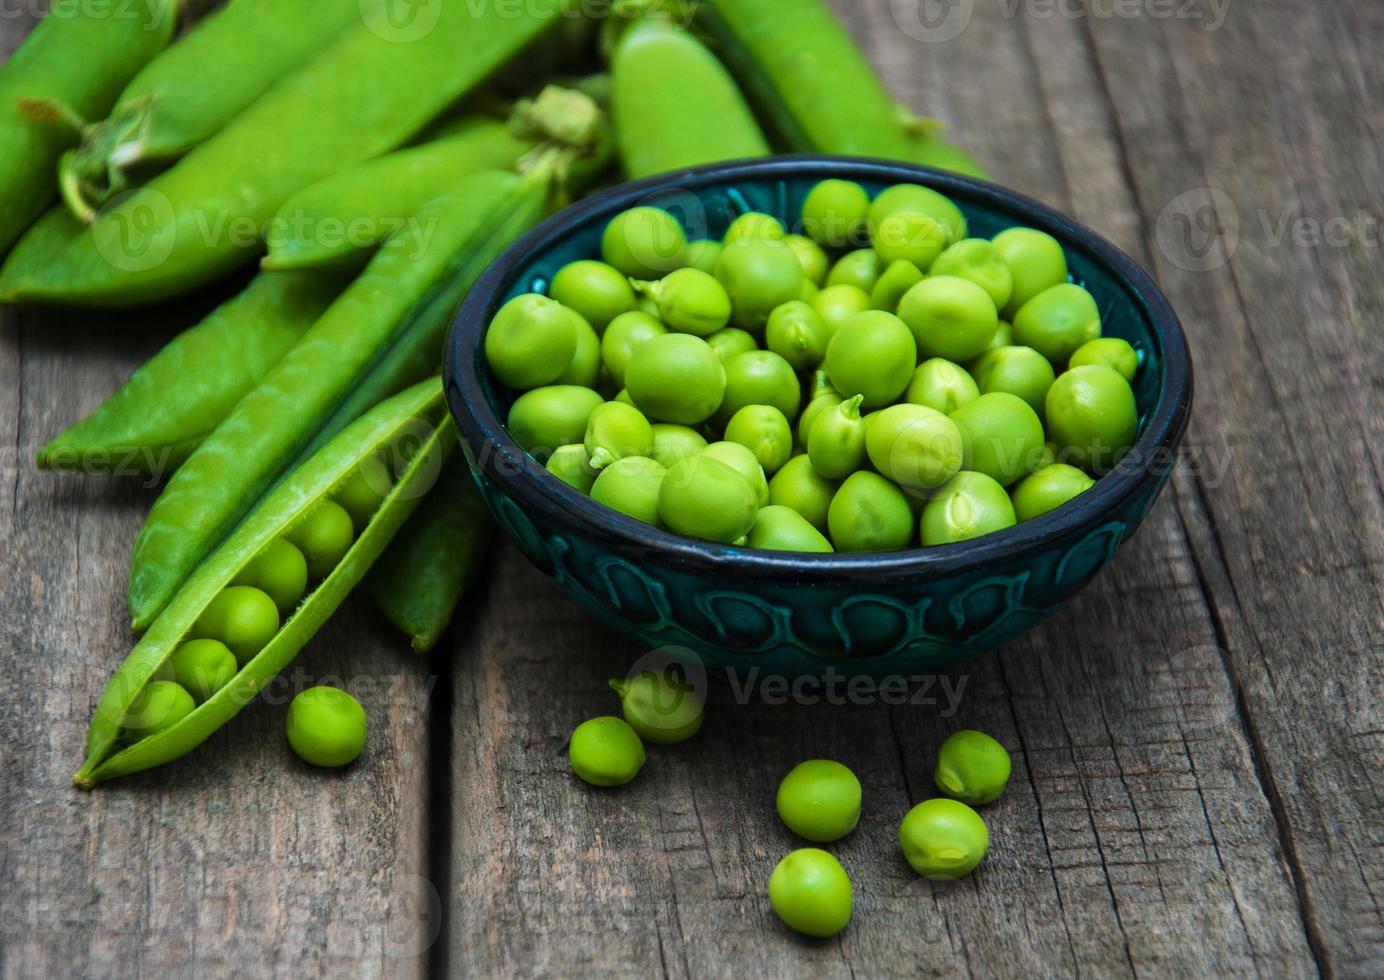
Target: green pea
column 571, row 465
column 759, row 275
column 623, row 397
column 623, row 337
column 606, row 751
column 924, row 200
column 364, row 489
column 661, row 708
column 647, row 305
column 860, row 269
column 1004, row 337
column 1004, row 436
column 743, row 460
column 764, row 430
column 941, row 385
column 797, row 333
column 967, row 506
column 1020, row 371
column 703, row 497
column 599, row 292
column 979, row 261
column 1036, row 262
column 158, row 707
column 819, row 800
column 943, row 839
column 1057, row 321
column 809, row 290
column 811, row 893
column 915, row 446
column 780, row 528
column 811, row 257
column 675, row 442
column 616, row 430
column 869, row 513
column 702, row 254
column 676, row 377
column 243, row 618
column 949, row 317
column 323, row 536
column 644, row 243
column 690, row 301
column 834, row 212
column 872, row 355
column 896, row 280
column 280, row 571
column 910, row 236
column 544, row 418
column 837, row 304
column 801, row 488
column 1112, row 352
column 531, row 341
column 585, row 367
column 732, row 341
column 1092, row 416
column 326, row 727
column 836, row 441
column 823, row 396
column 755, row 224
column 972, row 767
column 760, row 377
column 1047, row 489
column 203, row 667
column 631, row 486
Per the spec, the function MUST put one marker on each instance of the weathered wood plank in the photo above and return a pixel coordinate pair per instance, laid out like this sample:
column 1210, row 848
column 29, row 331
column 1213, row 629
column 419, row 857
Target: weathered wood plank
column 1289, row 539
column 1136, row 836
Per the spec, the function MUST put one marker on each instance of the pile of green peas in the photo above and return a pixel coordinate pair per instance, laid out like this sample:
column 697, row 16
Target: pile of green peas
column 878, row 382
column 942, row 838
column 246, row 615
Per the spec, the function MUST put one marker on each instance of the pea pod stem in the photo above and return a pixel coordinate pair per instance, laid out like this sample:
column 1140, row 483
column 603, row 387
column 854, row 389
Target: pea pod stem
column 72, row 66
column 155, row 420
column 395, row 421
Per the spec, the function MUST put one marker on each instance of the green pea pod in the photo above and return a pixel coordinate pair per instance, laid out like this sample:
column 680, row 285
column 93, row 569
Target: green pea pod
column 373, row 89
column 419, row 580
column 171, row 403
column 236, row 463
column 72, row 66
column 391, row 427
column 809, row 80
column 337, row 219
column 675, row 105
column 196, row 87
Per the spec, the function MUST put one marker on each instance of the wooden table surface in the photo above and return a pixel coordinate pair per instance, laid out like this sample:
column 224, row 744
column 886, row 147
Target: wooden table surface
column 1198, row 738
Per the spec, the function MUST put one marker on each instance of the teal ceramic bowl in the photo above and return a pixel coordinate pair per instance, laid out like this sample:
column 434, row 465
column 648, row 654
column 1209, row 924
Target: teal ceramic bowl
column 789, row 614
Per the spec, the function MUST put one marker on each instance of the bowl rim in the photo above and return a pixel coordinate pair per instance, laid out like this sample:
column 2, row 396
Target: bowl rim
column 524, row 479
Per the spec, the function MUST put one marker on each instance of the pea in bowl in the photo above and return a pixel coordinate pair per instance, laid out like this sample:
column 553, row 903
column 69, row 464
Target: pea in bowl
column 792, row 613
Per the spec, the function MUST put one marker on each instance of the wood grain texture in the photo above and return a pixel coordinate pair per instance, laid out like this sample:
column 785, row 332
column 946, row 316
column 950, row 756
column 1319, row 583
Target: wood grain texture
column 1197, row 738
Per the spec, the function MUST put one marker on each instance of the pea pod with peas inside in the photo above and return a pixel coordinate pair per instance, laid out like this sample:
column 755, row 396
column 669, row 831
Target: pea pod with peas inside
column 154, row 421
column 674, row 104
column 144, row 719
column 195, row 87
column 365, row 95
column 366, row 342
column 72, row 65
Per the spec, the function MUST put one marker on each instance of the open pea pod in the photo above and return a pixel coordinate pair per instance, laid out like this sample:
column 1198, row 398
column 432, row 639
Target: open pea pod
column 410, row 428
